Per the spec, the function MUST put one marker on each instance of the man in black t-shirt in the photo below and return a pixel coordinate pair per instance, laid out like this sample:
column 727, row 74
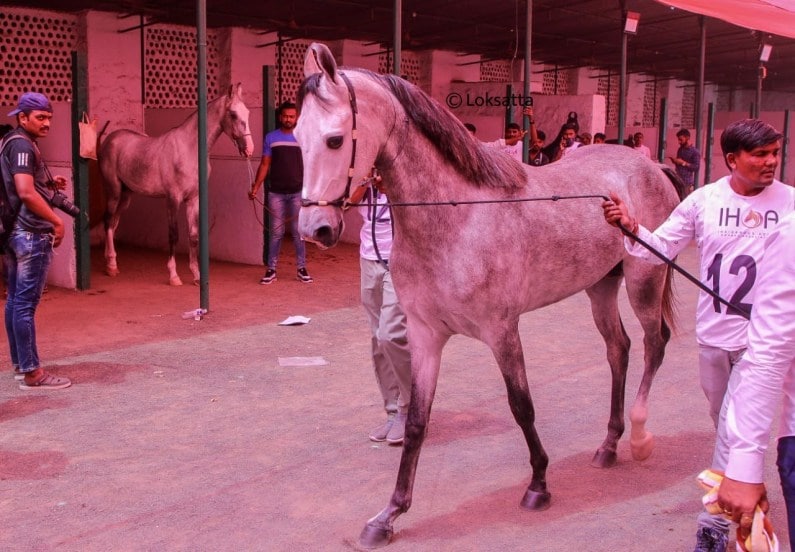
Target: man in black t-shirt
column 36, row 231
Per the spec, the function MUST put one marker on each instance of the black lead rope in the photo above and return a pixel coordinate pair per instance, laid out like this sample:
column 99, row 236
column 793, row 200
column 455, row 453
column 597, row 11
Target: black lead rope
column 734, row 308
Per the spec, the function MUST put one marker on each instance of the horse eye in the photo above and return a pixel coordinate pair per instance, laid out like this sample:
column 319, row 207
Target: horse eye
column 335, row 142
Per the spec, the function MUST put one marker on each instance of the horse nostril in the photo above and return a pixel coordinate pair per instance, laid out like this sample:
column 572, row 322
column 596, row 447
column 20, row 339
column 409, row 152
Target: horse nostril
column 324, row 235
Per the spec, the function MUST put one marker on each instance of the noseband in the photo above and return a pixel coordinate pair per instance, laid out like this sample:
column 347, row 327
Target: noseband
column 342, row 201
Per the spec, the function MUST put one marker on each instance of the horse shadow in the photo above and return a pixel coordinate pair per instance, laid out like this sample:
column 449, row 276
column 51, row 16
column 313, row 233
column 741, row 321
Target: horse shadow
column 577, row 489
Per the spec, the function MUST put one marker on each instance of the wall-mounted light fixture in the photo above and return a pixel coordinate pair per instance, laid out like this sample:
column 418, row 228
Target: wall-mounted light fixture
column 631, row 22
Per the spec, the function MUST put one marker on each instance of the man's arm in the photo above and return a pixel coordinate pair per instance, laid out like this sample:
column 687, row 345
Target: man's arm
column 755, row 391
column 36, row 204
column 262, row 172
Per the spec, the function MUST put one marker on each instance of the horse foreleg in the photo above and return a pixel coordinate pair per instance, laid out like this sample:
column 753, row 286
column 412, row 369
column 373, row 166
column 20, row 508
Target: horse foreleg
column 173, row 237
column 112, row 216
column 604, row 307
column 656, row 333
column 507, row 349
column 426, row 356
column 193, row 238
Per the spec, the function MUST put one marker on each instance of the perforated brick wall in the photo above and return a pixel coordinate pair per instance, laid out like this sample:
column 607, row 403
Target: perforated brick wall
column 170, row 79
column 291, row 59
column 608, row 87
column 689, row 107
column 495, row 71
column 556, row 82
column 410, row 65
column 649, row 104
column 35, row 54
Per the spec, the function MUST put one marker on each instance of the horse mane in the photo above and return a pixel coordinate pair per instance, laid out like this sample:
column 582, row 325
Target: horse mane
column 476, row 162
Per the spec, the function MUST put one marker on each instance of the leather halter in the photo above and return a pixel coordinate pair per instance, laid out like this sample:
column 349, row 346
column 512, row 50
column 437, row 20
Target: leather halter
column 342, row 201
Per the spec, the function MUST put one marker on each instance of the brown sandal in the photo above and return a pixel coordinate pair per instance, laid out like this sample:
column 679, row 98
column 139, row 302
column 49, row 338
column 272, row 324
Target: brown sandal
column 46, row 381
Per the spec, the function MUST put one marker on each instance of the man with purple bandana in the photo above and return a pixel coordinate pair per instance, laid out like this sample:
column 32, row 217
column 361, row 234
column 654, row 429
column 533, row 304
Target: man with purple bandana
column 36, row 231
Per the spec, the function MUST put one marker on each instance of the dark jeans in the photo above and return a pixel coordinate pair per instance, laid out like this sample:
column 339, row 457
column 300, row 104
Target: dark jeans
column 27, row 261
column 786, row 471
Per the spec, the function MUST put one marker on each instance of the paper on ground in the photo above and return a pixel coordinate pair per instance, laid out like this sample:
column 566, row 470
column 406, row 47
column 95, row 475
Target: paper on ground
column 294, row 321
column 302, row 361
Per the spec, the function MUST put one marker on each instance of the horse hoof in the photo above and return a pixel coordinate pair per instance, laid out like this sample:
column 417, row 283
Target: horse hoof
column 375, row 536
column 175, row 281
column 604, row 459
column 536, row 501
column 643, row 447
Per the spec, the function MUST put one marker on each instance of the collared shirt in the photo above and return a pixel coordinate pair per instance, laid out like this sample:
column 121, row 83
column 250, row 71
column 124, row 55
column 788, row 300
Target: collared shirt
column 767, row 370
column 692, row 157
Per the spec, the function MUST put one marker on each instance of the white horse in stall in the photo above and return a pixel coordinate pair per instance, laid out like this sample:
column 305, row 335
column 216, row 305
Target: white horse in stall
column 167, row 166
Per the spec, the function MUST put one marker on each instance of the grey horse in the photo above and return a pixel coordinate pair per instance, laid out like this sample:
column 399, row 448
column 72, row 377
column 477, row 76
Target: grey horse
column 480, row 239
column 168, row 166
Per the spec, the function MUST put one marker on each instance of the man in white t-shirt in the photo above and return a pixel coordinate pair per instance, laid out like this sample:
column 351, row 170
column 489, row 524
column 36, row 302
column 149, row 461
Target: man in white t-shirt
column 729, row 220
column 389, row 341
column 512, row 143
column 639, row 146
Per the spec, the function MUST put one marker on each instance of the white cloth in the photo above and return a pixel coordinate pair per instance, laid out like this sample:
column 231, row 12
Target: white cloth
column 514, row 151
column 644, row 150
column 730, row 231
column 767, row 370
column 383, row 228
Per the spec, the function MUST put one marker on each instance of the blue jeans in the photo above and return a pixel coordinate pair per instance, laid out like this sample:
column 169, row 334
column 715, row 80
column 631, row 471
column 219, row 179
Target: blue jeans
column 283, row 210
column 786, row 472
column 27, row 261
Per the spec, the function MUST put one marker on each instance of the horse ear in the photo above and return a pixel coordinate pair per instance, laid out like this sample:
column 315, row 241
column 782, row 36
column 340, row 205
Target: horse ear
column 320, row 60
column 235, row 90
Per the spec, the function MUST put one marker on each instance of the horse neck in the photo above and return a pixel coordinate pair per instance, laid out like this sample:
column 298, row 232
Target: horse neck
column 215, row 111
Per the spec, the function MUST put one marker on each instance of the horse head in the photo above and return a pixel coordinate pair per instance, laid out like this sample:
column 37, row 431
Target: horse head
column 333, row 136
column 234, row 121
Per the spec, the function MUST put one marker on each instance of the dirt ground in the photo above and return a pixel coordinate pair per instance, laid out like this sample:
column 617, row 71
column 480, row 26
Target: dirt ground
column 192, row 435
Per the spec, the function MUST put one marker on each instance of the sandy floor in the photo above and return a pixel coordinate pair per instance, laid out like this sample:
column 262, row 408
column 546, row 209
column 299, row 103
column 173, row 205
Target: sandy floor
column 190, row 435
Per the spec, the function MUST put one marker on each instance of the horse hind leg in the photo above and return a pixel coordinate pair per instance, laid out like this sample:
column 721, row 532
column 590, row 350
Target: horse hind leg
column 426, row 355
column 648, row 287
column 173, row 238
column 193, row 238
column 507, row 349
column 604, row 308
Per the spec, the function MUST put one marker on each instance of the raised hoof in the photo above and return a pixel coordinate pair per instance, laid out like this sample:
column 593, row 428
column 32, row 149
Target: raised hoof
column 604, row 459
column 175, row 281
column 112, row 271
column 536, row 501
column 642, row 448
column 375, row 536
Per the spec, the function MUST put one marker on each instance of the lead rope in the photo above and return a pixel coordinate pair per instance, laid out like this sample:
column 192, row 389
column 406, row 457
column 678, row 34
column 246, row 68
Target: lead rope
column 735, row 308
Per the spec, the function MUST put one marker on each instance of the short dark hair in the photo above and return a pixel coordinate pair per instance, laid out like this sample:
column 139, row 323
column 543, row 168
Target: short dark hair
column 746, row 135
column 683, row 132
column 285, row 105
column 599, row 135
column 541, row 135
column 514, row 126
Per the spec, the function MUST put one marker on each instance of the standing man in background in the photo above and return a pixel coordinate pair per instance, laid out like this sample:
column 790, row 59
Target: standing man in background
column 36, row 230
column 687, row 160
column 281, row 155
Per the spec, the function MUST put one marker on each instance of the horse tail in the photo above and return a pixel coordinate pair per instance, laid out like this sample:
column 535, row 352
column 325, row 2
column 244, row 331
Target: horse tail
column 679, row 185
column 669, row 305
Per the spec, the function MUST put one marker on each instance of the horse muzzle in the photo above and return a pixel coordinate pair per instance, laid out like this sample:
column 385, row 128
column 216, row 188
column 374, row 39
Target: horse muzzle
column 321, row 225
